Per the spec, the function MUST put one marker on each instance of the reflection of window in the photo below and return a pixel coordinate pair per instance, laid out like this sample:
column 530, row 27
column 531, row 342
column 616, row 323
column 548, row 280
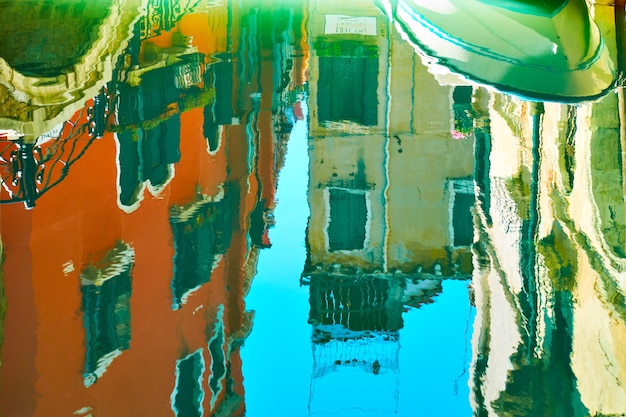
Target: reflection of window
column 462, row 109
column 129, row 178
column 201, row 235
column 218, row 360
column 462, row 223
column 146, row 155
column 223, row 82
column 220, row 112
column 106, row 289
column 347, row 90
column 348, row 219
column 160, row 147
column 188, row 395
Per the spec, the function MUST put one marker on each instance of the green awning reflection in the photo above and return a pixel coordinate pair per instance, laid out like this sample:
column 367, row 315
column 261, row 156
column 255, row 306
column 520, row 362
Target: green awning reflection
column 548, row 50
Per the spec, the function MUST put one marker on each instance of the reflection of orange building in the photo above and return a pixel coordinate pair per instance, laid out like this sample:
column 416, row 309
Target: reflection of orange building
column 104, row 316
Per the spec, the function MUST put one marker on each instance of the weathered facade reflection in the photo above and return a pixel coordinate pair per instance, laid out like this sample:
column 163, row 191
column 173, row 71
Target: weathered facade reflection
column 373, row 185
column 551, row 233
column 43, row 84
column 387, row 180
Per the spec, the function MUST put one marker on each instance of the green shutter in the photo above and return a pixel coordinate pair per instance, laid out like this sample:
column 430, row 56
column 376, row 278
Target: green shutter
column 348, row 217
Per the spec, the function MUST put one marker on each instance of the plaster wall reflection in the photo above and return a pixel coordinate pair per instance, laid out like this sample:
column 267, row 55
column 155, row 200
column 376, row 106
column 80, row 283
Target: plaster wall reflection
column 544, row 262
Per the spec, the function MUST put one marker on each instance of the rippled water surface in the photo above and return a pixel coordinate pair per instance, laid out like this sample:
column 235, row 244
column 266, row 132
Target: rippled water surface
column 312, row 208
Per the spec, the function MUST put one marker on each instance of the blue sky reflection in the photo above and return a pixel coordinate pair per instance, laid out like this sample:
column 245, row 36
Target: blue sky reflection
column 433, row 353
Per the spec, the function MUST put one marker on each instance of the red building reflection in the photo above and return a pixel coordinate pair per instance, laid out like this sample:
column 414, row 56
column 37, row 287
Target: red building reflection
column 125, row 283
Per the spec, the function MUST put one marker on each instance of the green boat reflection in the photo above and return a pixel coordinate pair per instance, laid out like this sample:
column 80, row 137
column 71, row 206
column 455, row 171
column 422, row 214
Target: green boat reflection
column 548, row 50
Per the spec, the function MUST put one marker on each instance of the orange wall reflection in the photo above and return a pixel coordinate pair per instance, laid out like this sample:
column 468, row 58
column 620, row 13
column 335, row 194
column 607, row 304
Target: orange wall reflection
column 77, row 225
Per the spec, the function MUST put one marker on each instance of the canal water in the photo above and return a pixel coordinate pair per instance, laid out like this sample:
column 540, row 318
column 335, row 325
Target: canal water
column 312, row 208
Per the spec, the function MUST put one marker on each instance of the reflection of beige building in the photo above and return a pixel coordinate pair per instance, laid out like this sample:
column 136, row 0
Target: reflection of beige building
column 384, row 174
column 387, row 179
column 550, row 327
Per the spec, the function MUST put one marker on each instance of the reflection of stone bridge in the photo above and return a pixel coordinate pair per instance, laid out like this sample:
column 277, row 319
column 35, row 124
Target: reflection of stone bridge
column 35, row 98
column 361, row 373
column 356, row 321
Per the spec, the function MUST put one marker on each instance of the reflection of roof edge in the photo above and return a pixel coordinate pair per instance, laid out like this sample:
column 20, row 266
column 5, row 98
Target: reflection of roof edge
column 421, row 293
column 116, row 261
column 418, row 276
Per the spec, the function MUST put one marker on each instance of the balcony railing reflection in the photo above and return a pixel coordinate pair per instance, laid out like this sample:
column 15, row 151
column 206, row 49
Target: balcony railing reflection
column 29, row 168
column 356, row 321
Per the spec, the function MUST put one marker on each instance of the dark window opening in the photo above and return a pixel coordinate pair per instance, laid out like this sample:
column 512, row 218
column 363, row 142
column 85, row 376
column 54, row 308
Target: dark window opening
column 462, row 221
column 462, row 109
column 106, row 311
column 188, row 394
column 348, row 219
column 198, row 241
column 347, row 90
column 160, row 147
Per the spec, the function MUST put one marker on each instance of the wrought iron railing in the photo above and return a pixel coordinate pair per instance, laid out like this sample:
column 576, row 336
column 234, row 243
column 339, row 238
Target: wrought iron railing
column 29, row 168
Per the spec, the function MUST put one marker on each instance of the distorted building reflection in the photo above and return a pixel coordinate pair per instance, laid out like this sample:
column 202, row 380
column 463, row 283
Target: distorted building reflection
column 550, row 259
column 150, row 98
column 390, row 194
column 384, row 195
column 133, row 270
column 550, row 233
